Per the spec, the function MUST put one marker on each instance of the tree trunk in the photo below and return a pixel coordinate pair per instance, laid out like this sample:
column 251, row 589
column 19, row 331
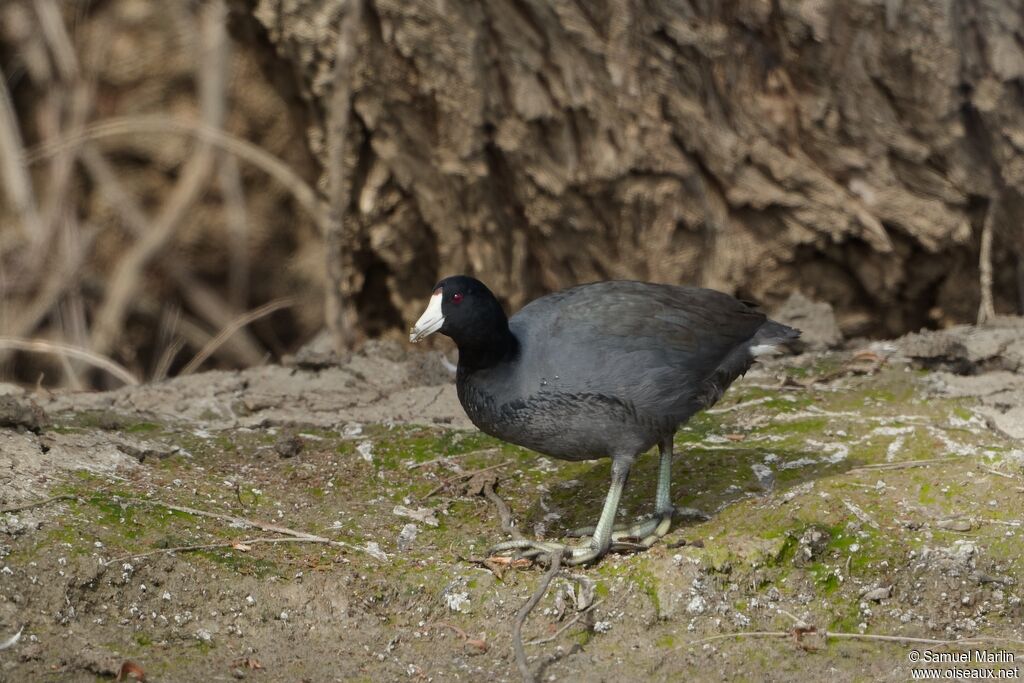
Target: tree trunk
column 848, row 149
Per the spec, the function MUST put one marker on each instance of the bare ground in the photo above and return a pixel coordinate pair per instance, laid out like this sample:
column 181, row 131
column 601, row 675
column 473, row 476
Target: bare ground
column 876, row 493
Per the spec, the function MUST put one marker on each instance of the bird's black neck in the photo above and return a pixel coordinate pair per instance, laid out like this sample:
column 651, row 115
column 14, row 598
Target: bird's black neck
column 479, row 354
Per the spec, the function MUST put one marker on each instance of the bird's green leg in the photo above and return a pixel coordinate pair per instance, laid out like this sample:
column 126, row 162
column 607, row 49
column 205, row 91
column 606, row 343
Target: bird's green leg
column 599, row 543
column 648, row 531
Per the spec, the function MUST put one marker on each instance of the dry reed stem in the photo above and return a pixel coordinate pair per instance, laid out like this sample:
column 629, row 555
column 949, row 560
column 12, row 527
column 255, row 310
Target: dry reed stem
column 67, row 104
column 566, row 626
column 57, row 348
column 230, row 181
column 213, row 546
column 159, row 124
column 339, row 112
column 242, row 348
column 35, row 504
column 190, row 186
column 986, row 309
column 966, row 642
column 234, row 326
column 163, row 364
column 53, row 289
column 242, row 521
column 14, row 168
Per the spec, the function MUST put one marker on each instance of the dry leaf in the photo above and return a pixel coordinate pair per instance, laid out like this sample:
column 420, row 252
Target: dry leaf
column 130, row 671
column 247, row 663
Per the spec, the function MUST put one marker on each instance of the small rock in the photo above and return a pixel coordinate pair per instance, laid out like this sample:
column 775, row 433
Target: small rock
column 964, row 551
column 204, row 635
column 425, row 515
column 288, row 445
column 140, row 450
column 811, row 544
column 456, row 601
column 878, row 594
column 697, row 605
column 317, row 354
column 407, row 536
column 373, row 549
column 21, row 412
column 366, row 451
column 765, row 475
column 955, row 524
column 815, row 320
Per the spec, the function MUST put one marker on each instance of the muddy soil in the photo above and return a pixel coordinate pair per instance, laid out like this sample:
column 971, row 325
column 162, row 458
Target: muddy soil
column 874, row 491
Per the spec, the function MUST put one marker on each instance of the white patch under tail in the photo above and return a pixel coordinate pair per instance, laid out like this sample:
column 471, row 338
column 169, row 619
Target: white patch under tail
column 758, row 350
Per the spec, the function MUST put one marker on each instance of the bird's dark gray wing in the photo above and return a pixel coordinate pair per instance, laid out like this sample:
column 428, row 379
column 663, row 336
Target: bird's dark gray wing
column 650, row 345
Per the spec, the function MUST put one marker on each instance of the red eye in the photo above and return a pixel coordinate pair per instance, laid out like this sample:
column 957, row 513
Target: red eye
column 456, row 298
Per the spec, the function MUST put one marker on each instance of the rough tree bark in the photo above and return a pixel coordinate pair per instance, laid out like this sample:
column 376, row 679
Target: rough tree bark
column 849, row 149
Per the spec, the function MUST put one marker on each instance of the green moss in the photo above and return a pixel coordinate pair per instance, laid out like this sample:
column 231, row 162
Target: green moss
column 239, row 562
column 824, row 577
column 846, row 620
column 924, row 495
column 142, row 428
column 665, row 641
column 638, row 573
column 786, row 552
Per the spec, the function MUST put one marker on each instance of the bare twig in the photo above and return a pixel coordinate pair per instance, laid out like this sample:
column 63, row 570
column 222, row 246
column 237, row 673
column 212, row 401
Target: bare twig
column 230, row 181
column 201, row 298
column 904, row 465
column 57, row 348
column 212, row 546
column 242, row 521
column 74, row 324
column 66, row 105
column 448, row 458
column 159, row 124
column 860, row 514
column 477, row 643
column 53, row 288
column 1005, row 475
column 14, row 168
column 967, row 642
column 986, row 309
column 339, row 113
column 190, row 186
column 234, row 326
column 163, row 364
column 555, row 560
column 36, row 504
column 566, row 626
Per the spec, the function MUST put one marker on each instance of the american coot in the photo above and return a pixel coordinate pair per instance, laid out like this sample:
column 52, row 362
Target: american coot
column 602, row 370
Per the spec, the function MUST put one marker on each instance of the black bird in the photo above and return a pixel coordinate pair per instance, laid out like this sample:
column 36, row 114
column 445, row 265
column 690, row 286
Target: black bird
column 602, row 370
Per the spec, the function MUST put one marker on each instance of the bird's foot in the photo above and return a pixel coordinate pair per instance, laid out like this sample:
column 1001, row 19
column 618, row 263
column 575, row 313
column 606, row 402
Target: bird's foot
column 571, row 555
column 644, row 533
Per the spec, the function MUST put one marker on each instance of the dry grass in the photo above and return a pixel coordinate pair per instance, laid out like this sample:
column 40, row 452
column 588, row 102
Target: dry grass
column 62, row 165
